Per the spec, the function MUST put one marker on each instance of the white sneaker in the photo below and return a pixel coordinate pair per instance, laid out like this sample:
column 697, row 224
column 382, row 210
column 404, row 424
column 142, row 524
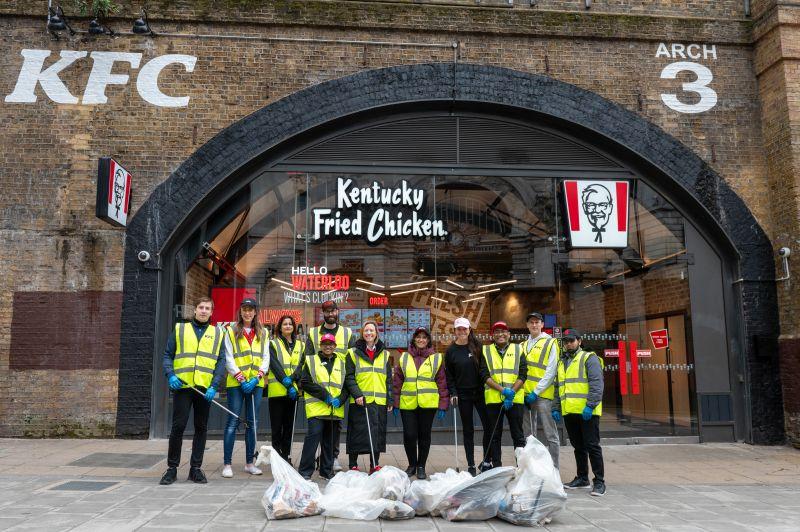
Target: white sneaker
column 253, row 470
column 336, row 465
column 227, row 471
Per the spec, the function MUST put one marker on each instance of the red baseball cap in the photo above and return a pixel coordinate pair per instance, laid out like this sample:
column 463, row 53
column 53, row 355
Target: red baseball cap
column 498, row 325
column 327, row 337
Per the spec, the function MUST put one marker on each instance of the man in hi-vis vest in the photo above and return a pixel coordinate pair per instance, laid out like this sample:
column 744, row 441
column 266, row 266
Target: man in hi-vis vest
column 322, row 382
column 344, row 341
column 541, row 352
column 580, row 402
column 194, row 358
column 503, row 370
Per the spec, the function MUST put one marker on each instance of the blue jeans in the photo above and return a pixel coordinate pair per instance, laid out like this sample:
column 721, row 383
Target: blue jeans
column 235, row 399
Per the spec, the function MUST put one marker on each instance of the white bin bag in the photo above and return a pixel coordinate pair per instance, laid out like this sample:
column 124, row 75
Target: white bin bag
column 356, row 495
column 536, row 492
column 289, row 495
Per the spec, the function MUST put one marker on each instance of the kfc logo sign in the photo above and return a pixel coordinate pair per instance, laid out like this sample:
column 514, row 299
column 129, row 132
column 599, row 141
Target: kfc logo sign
column 33, row 73
column 597, row 213
column 113, row 192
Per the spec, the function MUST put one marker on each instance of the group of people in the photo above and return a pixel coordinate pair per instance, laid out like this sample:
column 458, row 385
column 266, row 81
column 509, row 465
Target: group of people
column 534, row 383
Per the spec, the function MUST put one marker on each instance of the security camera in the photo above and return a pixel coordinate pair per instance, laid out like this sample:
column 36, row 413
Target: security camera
column 143, row 256
column 784, row 252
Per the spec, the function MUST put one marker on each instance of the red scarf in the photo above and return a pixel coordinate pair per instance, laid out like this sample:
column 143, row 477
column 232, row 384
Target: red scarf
column 371, row 353
column 249, row 335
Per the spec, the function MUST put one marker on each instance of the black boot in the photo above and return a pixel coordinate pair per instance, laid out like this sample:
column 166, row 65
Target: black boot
column 411, row 471
column 170, row 475
column 471, row 470
column 196, row 475
column 421, row 473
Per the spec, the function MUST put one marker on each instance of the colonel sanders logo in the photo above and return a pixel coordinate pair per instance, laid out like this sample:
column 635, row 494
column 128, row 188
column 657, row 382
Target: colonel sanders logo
column 597, row 204
column 597, row 213
column 119, row 189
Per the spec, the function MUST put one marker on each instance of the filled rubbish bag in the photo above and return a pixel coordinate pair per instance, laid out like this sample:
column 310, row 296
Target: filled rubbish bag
column 476, row 499
column 536, row 492
column 356, row 495
column 289, row 495
column 424, row 495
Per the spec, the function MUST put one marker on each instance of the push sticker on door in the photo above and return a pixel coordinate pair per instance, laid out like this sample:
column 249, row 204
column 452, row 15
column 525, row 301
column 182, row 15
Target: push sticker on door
column 597, row 213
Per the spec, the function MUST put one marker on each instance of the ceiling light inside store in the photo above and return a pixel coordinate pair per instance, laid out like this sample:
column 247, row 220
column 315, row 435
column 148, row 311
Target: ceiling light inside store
column 446, row 291
column 290, row 285
column 369, row 283
column 411, row 284
column 497, row 284
column 474, row 299
column 486, row 291
column 454, row 283
column 439, row 299
column 410, row 291
column 370, row 291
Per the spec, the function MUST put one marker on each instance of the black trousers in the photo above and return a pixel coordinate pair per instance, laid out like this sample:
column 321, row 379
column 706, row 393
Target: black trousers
column 281, row 418
column 183, row 401
column 319, row 432
column 514, row 416
column 467, row 401
column 585, row 439
column 417, row 426
column 353, row 458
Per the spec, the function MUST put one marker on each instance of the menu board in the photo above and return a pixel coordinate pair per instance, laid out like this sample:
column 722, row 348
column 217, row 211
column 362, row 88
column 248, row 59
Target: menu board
column 350, row 317
column 418, row 319
column 376, row 315
column 396, row 328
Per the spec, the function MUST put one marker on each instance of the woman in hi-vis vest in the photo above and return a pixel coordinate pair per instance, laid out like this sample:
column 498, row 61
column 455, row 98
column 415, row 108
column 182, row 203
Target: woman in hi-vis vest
column 368, row 379
column 247, row 362
column 285, row 351
column 420, row 392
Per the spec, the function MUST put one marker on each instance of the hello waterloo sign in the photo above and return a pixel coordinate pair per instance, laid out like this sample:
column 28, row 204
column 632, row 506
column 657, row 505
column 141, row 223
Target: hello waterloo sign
column 375, row 212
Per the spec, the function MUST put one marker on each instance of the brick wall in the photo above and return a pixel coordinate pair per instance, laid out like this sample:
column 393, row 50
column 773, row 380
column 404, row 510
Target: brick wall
column 51, row 241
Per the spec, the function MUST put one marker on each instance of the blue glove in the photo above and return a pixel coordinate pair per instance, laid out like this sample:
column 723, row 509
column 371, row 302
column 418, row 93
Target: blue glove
column 293, row 393
column 210, row 393
column 531, row 398
column 556, row 415
column 328, row 400
column 396, row 412
column 508, row 393
column 336, row 403
column 287, row 381
column 507, row 404
column 587, row 413
column 440, row 414
column 248, row 386
column 175, row 383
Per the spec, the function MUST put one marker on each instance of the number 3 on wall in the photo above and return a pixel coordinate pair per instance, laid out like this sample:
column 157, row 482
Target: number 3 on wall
column 708, row 97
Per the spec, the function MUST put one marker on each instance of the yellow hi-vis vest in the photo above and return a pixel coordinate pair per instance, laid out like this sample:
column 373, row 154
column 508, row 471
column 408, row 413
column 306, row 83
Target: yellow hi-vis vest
column 419, row 385
column 343, row 335
column 371, row 377
column 332, row 383
column 248, row 358
column 195, row 361
column 537, row 359
column 504, row 370
column 289, row 361
column 573, row 384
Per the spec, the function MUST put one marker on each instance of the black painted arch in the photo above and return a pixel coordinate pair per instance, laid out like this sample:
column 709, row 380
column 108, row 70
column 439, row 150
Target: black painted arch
column 686, row 178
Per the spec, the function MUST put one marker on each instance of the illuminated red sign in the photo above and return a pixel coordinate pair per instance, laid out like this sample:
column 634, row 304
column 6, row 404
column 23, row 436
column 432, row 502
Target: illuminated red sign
column 378, row 301
column 269, row 315
column 309, row 283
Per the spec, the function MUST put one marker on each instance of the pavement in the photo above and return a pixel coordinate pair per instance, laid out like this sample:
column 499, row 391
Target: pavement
column 112, row 485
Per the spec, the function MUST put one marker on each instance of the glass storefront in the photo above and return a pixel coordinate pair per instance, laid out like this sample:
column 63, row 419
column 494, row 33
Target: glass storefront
column 420, row 250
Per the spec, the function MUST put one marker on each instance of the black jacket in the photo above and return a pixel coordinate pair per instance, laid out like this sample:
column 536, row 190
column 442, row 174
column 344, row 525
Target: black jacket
column 358, row 436
column 360, row 350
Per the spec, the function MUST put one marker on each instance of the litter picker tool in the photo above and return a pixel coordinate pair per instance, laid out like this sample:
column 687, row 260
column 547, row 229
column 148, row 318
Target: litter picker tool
column 530, row 419
column 496, row 424
column 369, row 433
column 246, row 424
column 294, row 421
column 455, row 435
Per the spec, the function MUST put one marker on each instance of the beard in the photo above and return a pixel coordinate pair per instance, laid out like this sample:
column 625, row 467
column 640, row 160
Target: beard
column 331, row 320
